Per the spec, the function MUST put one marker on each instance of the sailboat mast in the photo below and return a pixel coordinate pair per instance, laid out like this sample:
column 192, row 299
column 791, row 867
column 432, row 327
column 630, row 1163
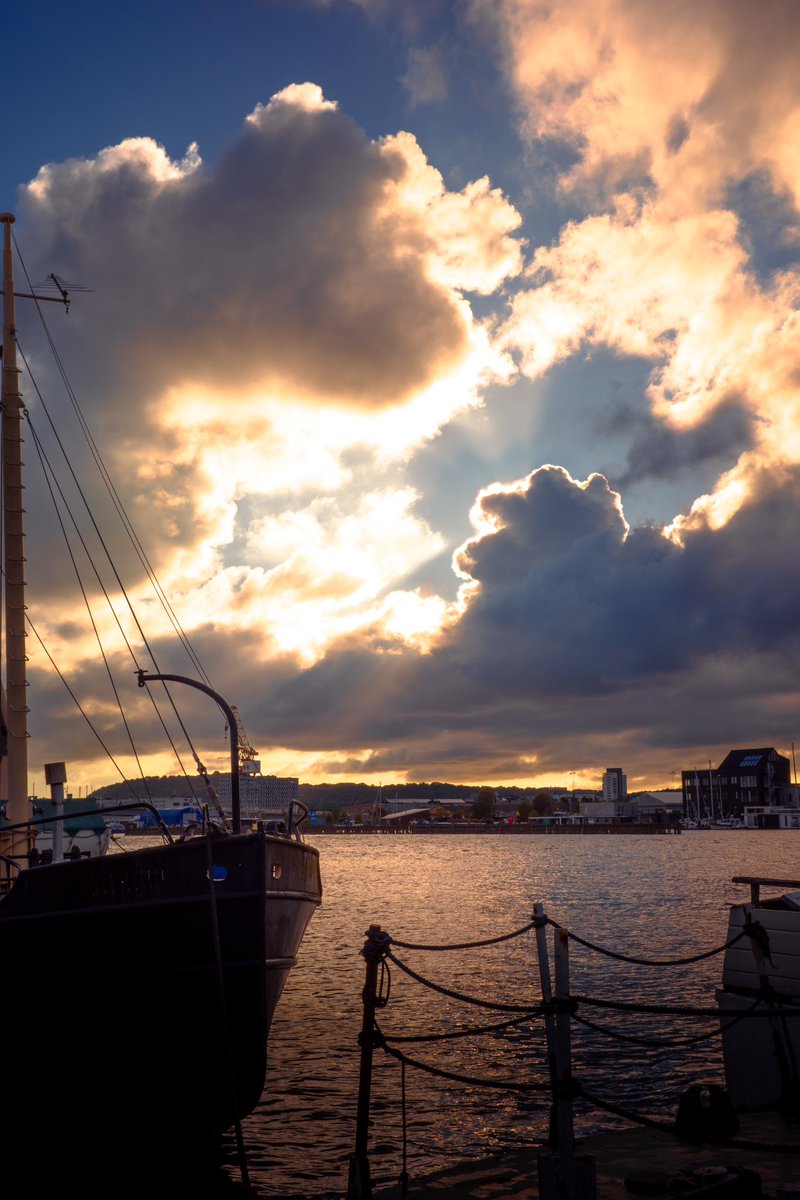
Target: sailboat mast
column 16, row 707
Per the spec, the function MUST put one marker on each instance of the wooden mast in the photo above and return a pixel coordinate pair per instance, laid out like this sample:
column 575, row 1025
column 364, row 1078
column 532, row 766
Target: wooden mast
column 15, row 697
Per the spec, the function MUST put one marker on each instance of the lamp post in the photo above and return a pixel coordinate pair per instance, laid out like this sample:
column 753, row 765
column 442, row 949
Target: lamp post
column 232, row 725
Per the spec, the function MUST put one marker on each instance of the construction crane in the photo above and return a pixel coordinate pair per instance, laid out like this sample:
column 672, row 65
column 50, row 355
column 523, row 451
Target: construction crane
column 248, row 760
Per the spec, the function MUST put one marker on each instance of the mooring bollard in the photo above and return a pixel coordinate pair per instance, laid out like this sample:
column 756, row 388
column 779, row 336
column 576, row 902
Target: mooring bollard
column 359, row 1184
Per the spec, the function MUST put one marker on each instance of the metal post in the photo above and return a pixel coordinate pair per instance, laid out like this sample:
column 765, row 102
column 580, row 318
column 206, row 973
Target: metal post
column 55, row 776
column 565, row 1139
column 540, row 922
column 359, row 1184
column 561, row 1175
column 236, row 820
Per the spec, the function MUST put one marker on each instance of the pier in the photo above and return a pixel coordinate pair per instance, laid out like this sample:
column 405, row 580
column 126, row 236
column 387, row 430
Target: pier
column 523, row 828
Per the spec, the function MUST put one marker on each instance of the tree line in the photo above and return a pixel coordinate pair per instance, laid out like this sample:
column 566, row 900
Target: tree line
column 335, row 797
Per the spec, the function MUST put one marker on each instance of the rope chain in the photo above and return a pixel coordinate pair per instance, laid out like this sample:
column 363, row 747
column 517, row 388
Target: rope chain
column 572, row 1087
column 497, row 1006
column 503, row 937
column 653, row 962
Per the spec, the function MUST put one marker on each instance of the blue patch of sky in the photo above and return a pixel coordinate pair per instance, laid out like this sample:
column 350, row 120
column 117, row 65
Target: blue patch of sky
column 574, row 417
column 86, row 75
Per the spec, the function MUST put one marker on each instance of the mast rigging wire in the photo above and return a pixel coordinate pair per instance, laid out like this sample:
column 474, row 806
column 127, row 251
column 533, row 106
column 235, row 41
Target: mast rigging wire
column 50, row 479
column 133, row 537
column 110, row 487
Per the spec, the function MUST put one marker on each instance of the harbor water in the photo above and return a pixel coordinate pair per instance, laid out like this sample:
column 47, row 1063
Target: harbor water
column 653, row 897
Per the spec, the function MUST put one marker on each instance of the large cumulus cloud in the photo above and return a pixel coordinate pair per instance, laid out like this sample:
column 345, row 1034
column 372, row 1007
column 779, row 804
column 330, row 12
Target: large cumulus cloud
column 303, row 260
column 579, row 638
column 258, row 326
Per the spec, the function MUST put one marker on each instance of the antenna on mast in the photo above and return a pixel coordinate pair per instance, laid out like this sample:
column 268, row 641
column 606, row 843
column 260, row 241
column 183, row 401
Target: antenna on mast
column 54, row 283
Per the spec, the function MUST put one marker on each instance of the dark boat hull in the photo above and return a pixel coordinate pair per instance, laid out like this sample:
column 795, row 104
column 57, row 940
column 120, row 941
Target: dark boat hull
column 185, row 948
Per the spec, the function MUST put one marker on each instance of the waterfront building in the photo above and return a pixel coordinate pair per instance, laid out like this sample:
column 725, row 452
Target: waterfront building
column 615, row 785
column 771, row 816
column 259, row 795
column 744, row 779
column 174, row 811
column 606, row 812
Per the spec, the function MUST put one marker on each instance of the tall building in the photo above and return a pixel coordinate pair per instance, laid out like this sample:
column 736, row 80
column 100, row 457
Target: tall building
column 259, row 795
column 615, row 785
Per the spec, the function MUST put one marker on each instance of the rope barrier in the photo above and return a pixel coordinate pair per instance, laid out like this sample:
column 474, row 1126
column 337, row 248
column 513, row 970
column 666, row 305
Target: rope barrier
column 669, row 1043
column 504, row 937
column 456, row 1077
column 443, row 991
column 673, row 1010
column 472, row 1031
column 558, row 1006
column 652, row 962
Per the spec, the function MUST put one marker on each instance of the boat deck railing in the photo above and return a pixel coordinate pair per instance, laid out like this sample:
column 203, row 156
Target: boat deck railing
column 12, row 864
column 756, row 882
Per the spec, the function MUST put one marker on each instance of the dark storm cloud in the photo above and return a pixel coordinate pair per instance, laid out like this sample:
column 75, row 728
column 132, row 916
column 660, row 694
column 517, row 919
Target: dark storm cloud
column 582, row 639
column 660, row 451
column 579, row 634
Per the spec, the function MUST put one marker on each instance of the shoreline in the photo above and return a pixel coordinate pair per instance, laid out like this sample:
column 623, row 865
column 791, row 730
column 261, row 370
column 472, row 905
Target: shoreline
column 523, row 829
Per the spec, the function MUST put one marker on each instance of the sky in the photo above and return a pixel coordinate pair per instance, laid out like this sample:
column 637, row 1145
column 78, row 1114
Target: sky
column 445, row 356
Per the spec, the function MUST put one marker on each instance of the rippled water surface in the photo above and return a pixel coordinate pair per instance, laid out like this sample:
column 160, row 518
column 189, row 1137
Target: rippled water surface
column 653, row 896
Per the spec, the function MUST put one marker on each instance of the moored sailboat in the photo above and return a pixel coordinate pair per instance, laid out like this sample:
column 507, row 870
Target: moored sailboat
column 201, row 931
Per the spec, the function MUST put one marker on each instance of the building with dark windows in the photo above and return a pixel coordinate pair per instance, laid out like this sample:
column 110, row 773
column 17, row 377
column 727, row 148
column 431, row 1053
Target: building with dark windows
column 743, row 779
column 259, row 795
column 615, row 785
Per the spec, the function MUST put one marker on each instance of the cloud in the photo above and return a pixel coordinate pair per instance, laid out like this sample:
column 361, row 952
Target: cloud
column 577, row 639
column 425, row 79
column 688, row 100
column 259, row 324
column 579, row 634
column 517, row 535
column 660, row 451
column 662, row 265
column 291, row 264
column 286, row 326
column 308, row 261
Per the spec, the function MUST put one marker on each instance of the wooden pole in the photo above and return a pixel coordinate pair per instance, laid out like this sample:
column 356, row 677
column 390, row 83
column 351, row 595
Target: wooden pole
column 16, row 704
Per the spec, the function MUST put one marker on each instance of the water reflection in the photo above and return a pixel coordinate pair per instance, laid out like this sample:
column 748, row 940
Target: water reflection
column 649, row 896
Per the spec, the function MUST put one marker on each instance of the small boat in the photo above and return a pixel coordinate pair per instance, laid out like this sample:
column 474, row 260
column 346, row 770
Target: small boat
column 761, row 974
column 86, row 834
column 188, row 942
